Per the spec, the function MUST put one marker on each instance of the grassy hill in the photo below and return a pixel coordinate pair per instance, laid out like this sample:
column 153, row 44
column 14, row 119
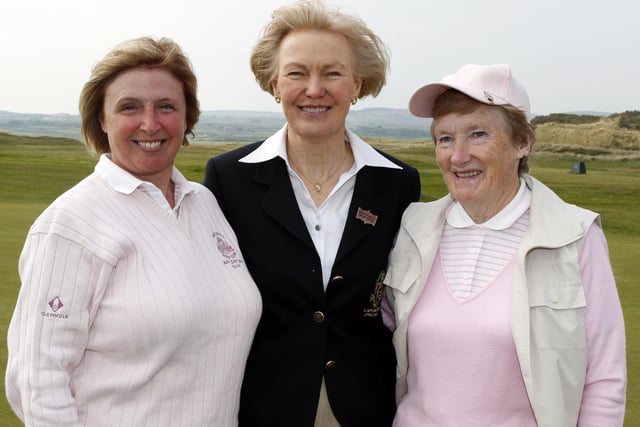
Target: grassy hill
column 616, row 137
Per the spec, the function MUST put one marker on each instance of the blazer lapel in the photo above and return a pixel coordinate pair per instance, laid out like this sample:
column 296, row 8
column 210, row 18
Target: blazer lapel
column 279, row 200
column 363, row 211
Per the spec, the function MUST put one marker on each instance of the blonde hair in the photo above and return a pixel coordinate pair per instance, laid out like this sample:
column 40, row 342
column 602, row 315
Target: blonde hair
column 453, row 101
column 140, row 52
column 371, row 57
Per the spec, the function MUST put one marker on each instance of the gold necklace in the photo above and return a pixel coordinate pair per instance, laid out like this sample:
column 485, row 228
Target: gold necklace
column 317, row 185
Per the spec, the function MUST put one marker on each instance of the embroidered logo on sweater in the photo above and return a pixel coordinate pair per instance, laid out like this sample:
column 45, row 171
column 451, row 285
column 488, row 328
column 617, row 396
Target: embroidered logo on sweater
column 227, row 251
column 54, row 305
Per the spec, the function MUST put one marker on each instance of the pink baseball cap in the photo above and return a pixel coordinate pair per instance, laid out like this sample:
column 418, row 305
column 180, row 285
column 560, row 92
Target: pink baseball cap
column 489, row 84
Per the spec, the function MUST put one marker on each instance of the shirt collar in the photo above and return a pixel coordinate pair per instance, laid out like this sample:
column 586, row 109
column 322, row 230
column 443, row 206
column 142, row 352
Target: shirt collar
column 275, row 146
column 125, row 183
column 457, row 217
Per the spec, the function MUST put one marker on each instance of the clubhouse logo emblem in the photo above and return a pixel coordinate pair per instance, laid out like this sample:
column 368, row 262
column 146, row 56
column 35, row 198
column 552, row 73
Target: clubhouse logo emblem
column 228, row 252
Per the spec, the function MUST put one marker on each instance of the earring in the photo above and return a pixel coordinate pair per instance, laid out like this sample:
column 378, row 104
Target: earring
column 354, row 101
column 278, row 99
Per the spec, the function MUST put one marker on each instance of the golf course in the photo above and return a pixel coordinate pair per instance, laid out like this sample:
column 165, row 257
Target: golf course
column 35, row 170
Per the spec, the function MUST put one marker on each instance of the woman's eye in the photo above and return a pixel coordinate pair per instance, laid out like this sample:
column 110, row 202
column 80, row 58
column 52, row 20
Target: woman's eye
column 479, row 134
column 444, row 141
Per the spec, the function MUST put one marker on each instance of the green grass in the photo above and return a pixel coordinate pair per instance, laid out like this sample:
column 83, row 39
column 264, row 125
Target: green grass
column 33, row 171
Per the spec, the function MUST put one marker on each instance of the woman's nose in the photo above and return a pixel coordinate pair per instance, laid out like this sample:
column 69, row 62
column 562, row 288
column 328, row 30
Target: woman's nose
column 315, row 87
column 149, row 121
column 459, row 152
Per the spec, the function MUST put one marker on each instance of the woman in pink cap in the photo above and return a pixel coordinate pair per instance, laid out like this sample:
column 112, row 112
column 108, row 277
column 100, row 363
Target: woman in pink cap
column 506, row 308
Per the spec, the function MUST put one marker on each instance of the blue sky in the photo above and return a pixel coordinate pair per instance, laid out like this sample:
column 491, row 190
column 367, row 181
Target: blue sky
column 572, row 55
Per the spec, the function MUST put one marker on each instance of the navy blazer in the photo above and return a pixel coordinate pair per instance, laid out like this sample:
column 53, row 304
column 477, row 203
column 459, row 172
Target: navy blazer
column 305, row 332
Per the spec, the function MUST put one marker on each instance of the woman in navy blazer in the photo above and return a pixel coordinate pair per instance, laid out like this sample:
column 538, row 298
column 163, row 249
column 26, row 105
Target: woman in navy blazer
column 316, row 210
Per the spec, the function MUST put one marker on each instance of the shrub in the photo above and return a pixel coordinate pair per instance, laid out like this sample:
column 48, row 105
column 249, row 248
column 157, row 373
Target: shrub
column 629, row 120
column 565, row 118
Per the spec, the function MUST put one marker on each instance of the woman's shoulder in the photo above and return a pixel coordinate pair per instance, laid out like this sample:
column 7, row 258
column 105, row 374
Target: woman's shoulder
column 87, row 191
column 406, row 168
column 235, row 154
column 437, row 205
column 203, row 195
column 425, row 218
column 84, row 215
column 545, row 200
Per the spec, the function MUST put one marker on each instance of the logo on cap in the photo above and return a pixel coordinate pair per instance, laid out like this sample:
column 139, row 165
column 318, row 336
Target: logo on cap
column 488, row 97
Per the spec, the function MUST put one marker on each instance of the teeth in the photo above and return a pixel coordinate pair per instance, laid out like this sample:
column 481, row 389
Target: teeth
column 314, row 109
column 149, row 145
column 467, row 174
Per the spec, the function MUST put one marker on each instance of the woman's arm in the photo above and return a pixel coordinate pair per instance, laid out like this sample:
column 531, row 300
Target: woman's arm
column 603, row 401
column 49, row 330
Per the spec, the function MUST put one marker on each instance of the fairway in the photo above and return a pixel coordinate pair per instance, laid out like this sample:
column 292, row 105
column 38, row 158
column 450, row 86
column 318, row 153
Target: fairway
column 33, row 171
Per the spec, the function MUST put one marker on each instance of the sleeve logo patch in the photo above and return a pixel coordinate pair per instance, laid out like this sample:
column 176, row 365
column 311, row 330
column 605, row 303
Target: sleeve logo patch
column 55, row 305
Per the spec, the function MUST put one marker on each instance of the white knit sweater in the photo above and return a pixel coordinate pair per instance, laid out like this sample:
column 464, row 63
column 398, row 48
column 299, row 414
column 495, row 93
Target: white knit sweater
column 129, row 314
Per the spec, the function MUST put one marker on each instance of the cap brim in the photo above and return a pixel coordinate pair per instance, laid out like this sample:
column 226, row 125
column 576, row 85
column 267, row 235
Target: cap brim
column 421, row 103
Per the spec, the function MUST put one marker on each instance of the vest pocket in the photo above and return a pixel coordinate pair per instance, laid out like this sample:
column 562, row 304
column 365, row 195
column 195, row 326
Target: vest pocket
column 403, row 270
column 557, row 317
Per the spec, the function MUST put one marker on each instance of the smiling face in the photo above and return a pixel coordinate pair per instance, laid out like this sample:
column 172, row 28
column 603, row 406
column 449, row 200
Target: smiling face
column 144, row 117
column 316, row 82
column 478, row 160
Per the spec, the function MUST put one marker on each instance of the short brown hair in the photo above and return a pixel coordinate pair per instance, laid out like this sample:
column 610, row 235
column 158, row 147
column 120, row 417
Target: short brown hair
column 371, row 57
column 453, row 101
column 140, row 52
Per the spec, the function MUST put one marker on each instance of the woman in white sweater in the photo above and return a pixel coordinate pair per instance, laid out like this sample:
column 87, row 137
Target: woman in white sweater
column 136, row 307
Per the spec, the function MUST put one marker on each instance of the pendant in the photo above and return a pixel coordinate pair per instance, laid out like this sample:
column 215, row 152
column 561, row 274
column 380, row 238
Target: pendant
column 317, row 187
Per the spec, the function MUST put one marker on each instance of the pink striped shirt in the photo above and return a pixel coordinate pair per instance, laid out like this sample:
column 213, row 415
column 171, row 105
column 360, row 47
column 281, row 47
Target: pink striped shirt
column 474, row 254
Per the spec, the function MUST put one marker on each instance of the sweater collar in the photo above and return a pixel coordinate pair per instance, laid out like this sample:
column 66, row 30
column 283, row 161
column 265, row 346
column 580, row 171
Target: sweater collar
column 125, row 183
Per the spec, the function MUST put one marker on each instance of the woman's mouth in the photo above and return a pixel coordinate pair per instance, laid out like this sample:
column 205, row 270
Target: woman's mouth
column 469, row 174
column 149, row 145
column 314, row 109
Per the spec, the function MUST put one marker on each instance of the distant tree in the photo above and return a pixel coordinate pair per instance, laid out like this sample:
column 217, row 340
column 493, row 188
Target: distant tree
column 629, row 120
column 565, row 119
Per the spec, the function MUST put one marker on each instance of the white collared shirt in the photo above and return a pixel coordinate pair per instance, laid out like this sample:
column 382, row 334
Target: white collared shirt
column 457, row 217
column 326, row 222
column 125, row 183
